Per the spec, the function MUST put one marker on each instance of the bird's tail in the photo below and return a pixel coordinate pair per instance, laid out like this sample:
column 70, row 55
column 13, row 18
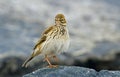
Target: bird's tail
column 35, row 53
column 25, row 63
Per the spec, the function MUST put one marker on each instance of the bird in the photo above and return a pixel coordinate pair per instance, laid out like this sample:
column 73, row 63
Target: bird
column 54, row 40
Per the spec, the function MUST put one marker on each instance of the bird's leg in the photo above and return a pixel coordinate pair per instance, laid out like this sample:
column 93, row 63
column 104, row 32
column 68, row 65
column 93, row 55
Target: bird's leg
column 50, row 65
column 47, row 59
column 55, row 58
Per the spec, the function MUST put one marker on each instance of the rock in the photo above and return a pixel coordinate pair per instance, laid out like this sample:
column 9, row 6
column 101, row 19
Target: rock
column 98, row 64
column 72, row 71
column 11, row 67
column 106, row 73
column 63, row 71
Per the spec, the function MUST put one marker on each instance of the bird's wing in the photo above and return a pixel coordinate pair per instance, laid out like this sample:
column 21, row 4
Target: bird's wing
column 44, row 36
column 37, row 47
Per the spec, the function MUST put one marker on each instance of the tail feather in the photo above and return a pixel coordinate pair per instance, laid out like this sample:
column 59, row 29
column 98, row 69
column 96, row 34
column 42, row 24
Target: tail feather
column 25, row 63
column 35, row 53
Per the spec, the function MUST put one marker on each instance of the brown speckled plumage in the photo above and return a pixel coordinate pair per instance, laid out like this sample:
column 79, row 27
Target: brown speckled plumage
column 55, row 39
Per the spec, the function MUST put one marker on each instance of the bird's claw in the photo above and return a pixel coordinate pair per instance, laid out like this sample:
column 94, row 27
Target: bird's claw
column 52, row 66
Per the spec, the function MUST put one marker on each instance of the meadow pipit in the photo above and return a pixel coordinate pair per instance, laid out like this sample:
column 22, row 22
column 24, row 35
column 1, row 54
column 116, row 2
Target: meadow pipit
column 54, row 40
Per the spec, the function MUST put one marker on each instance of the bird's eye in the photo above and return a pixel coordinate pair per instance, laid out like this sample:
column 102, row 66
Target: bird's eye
column 62, row 19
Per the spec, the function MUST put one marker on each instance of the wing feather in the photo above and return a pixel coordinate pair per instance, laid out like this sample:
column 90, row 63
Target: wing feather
column 44, row 37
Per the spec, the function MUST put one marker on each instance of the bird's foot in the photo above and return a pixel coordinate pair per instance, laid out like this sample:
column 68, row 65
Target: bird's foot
column 52, row 66
column 48, row 60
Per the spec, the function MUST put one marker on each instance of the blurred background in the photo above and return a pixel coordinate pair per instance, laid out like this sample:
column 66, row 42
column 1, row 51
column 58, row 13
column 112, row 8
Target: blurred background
column 94, row 27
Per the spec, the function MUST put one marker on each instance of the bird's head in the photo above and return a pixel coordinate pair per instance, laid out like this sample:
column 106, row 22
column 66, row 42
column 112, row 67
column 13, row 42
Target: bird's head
column 60, row 20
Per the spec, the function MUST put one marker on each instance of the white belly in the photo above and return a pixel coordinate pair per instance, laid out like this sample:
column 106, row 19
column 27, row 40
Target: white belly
column 55, row 46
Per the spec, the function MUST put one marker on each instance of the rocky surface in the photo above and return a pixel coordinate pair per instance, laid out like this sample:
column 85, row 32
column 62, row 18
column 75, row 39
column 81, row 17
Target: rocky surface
column 63, row 71
column 71, row 71
column 11, row 66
